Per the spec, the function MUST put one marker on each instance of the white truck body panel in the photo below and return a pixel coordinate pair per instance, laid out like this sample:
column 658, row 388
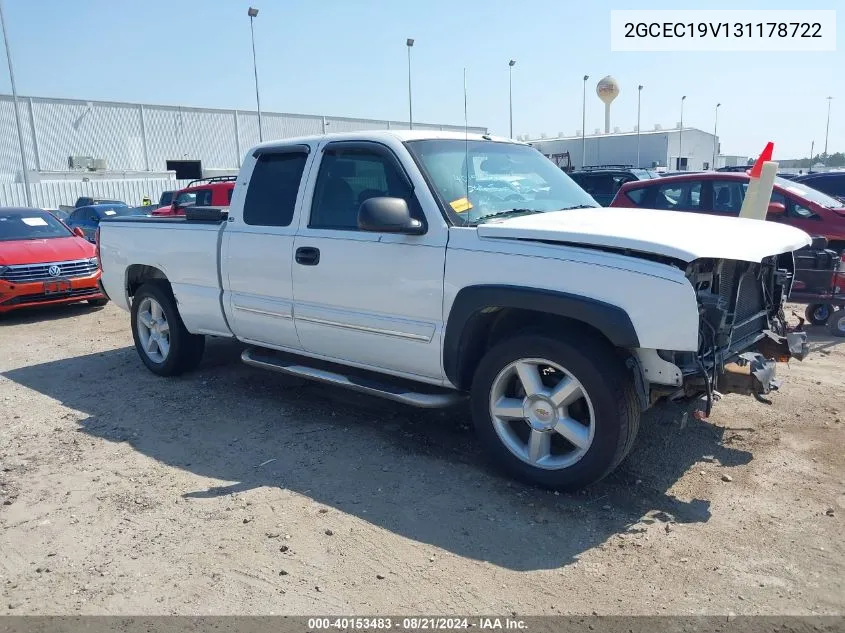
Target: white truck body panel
column 616, row 279
column 381, row 301
column 186, row 254
column 684, row 236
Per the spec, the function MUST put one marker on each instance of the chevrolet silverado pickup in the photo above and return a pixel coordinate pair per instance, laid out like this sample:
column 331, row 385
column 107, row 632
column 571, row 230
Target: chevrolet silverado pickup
column 429, row 268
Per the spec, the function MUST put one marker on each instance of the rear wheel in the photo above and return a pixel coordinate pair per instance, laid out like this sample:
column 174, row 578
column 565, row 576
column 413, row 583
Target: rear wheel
column 163, row 343
column 818, row 313
column 557, row 413
column 837, row 323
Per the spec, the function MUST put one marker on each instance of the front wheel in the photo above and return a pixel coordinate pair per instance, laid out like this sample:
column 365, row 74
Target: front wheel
column 818, row 313
column 561, row 413
column 163, row 343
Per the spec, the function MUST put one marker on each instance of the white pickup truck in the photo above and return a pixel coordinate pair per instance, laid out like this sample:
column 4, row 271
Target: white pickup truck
column 430, row 267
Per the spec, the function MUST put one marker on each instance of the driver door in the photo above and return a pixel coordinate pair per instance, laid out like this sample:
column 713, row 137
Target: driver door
column 367, row 298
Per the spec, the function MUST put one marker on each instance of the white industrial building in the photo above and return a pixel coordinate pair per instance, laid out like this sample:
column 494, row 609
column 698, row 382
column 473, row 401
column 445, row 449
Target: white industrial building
column 102, row 148
column 658, row 148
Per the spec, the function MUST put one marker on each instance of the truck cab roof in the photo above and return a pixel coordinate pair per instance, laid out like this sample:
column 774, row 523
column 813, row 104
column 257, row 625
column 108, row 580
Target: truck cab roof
column 386, row 136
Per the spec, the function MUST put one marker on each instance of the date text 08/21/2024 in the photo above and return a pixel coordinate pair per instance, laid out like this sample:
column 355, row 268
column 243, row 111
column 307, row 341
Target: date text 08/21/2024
column 417, row 623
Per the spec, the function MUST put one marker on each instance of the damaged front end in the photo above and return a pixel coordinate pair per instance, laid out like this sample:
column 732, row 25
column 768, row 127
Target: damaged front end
column 742, row 328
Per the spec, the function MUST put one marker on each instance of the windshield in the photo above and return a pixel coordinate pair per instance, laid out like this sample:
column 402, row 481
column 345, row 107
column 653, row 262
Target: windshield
column 479, row 179
column 28, row 224
column 809, row 193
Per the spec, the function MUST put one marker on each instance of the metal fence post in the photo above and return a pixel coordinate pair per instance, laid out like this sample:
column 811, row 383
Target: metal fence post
column 237, row 141
column 34, row 137
column 144, row 138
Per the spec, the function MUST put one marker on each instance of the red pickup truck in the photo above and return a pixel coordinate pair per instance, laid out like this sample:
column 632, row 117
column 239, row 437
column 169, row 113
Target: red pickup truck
column 205, row 192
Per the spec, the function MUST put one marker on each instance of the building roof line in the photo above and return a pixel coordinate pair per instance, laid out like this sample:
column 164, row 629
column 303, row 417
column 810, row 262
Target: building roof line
column 614, row 134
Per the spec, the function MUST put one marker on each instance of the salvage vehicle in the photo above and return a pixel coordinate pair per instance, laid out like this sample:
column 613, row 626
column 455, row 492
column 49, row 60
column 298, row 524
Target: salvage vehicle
column 603, row 181
column 831, row 182
column 43, row 262
column 204, row 192
column 85, row 201
column 722, row 193
column 372, row 261
column 88, row 218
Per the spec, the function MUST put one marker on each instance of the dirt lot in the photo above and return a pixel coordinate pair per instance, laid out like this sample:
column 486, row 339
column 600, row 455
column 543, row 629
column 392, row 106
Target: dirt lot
column 231, row 491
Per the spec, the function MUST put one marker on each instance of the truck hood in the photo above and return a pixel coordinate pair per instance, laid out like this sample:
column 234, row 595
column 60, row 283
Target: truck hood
column 684, row 236
column 42, row 251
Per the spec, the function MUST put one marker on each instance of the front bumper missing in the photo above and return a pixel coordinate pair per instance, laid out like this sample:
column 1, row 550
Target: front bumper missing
column 753, row 372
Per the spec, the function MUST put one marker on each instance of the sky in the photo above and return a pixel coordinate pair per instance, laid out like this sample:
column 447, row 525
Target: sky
column 348, row 58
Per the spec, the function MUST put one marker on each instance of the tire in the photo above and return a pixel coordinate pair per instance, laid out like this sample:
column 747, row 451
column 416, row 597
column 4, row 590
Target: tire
column 837, row 323
column 596, row 393
column 174, row 350
column 98, row 303
column 818, row 313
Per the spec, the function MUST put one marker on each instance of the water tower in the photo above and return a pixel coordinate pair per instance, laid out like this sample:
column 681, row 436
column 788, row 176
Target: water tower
column 607, row 90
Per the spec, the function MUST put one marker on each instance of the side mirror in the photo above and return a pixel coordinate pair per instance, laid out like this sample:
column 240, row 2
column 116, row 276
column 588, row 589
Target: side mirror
column 388, row 215
column 776, row 209
column 78, row 232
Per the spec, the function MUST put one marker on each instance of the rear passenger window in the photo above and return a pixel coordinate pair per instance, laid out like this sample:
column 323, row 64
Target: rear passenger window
column 728, row 196
column 637, row 195
column 273, row 185
column 681, row 196
column 203, row 198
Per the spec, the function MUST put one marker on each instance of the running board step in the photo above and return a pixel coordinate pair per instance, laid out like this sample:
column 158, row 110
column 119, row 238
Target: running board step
column 369, row 383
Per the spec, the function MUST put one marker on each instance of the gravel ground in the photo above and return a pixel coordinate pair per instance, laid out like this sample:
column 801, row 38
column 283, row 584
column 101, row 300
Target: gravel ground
column 234, row 491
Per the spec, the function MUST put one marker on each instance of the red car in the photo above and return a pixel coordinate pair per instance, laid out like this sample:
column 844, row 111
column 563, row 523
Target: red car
column 205, row 192
column 42, row 262
column 722, row 193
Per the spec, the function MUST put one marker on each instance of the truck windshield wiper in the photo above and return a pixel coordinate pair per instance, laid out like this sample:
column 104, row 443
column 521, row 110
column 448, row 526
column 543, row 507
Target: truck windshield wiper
column 505, row 214
column 580, row 206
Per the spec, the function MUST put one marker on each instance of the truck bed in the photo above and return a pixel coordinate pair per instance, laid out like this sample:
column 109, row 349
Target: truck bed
column 193, row 215
column 192, row 266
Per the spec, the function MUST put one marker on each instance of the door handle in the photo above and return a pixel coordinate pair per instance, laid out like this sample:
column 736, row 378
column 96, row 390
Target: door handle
column 307, row 255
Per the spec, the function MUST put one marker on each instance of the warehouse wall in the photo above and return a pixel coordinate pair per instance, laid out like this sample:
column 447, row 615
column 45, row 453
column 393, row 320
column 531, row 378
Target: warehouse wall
column 52, row 195
column 138, row 137
column 621, row 149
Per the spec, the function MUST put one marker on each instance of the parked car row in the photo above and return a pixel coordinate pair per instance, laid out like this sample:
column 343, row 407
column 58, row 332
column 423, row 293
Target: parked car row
column 43, row 262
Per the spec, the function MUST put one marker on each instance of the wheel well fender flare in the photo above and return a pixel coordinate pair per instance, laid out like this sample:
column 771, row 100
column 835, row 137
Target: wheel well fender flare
column 466, row 319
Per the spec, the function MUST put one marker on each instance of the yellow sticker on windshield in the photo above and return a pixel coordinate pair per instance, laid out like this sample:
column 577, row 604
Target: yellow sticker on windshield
column 460, row 205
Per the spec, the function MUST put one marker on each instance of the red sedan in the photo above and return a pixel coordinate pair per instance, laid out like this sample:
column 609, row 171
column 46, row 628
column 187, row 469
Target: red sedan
column 42, row 262
column 722, row 193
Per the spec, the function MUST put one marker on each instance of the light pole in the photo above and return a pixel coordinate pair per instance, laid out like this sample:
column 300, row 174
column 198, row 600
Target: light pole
column 681, row 133
column 639, row 94
column 410, row 43
column 17, row 112
column 812, row 147
column 826, row 129
column 584, row 125
column 511, row 64
column 252, row 13
column 715, row 127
